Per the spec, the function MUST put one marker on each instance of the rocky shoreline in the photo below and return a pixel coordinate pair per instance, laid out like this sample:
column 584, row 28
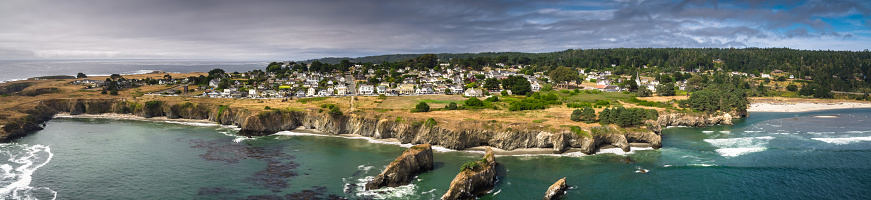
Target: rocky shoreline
column 508, row 137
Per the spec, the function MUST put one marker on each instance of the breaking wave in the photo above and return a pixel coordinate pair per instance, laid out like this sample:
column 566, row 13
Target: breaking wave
column 16, row 175
column 841, row 141
column 733, row 147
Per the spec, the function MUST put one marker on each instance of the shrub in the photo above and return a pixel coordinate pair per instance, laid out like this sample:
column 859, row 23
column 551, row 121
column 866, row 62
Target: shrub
column 113, row 92
column 492, row 99
column 430, row 122
column 103, row 92
column 781, row 78
column 643, row 92
column 792, row 88
column 451, row 106
column 473, row 102
column 471, row 165
column 335, row 112
column 576, row 115
column 504, row 93
column 588, row 114
column 421, row 107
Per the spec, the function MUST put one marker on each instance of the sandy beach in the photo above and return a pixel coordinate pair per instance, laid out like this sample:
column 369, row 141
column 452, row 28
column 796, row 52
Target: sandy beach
column 803, row 107
column 134, row 117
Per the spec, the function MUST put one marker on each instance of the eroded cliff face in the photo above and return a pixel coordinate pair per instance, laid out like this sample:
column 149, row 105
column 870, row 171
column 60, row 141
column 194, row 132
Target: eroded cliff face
column 470, row 134
column 691, row 119
column 413, row 161
column 556, row 190
column 42, row 111
column 269, row 122
column 471, row 183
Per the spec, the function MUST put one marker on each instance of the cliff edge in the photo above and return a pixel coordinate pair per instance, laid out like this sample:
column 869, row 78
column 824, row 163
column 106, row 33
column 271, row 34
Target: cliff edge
column 401, row 171
column 475, row 179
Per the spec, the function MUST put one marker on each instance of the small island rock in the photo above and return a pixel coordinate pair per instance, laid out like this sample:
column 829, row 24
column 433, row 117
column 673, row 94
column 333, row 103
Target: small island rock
column 556, row 190
column 401, row 171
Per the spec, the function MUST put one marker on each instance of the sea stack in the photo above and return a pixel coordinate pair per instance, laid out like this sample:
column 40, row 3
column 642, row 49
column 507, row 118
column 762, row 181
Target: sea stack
column 475, row 178
column 556, row 190
column 401, row 171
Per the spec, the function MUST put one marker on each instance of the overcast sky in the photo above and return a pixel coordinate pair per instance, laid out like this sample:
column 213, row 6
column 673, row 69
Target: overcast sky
column 303, row 29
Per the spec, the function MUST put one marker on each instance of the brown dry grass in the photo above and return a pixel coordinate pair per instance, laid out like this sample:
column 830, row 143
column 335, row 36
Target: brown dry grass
column 663, row 98
column 553, row 118
column 408, row 102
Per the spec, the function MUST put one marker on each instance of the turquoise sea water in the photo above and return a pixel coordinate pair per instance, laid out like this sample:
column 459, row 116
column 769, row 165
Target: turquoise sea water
column 766, row 156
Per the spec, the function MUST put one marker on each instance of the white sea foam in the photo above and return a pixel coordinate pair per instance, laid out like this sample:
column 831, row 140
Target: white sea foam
column 619, row 151
column 858, row 132
column 733, row 152
column 726, row 132
column 638, row 169
column 365, row 168
column 568, row 154
column 359, row 189
column 193, row 123
column 17, row 174
column 732, row 147
column 707, row 131
column 841, row 141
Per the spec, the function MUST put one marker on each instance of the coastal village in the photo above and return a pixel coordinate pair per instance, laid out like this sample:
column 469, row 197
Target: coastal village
column 358, row 81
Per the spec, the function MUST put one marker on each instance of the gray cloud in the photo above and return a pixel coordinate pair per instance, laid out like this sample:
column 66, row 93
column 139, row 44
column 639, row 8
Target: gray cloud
column 273, row 29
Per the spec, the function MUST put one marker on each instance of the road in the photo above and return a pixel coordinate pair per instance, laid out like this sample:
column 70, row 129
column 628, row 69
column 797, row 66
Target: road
column 352, row 88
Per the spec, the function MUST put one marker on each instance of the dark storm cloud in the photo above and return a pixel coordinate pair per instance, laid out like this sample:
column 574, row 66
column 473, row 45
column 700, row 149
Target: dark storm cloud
column 264, row 29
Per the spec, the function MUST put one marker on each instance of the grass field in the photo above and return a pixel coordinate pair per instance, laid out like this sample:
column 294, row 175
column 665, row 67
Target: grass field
column 591, row 97
column 408, row 102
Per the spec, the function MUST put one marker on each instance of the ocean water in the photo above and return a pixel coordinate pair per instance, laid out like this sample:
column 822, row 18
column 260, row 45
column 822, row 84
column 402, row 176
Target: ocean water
column 767, row 156
column 19, row 70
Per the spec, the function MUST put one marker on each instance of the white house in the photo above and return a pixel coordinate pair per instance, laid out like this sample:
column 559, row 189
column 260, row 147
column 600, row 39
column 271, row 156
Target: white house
column 311, row 92
column 214, row 82
column 456, row 89
column 366, row 89
column 341, row 90
column 471, row 92
column 535, row 86
column 381, row 89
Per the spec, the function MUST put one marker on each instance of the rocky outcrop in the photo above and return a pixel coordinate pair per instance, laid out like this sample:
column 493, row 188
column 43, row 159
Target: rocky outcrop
column 401, row 171
column 475, row 180
column 691, row 119
column 460, row 135
column 556, row 190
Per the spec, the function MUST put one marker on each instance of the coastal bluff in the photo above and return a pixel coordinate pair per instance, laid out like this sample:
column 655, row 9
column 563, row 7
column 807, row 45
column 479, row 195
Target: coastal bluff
column 413, row 161
column 475, row 180
column 457, row 135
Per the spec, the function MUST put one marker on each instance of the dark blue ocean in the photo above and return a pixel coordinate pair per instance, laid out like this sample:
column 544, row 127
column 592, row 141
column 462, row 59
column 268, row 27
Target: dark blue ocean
column 812, row 155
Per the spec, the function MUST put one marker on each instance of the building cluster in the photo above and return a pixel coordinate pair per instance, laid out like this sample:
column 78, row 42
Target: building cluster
column 357, row 82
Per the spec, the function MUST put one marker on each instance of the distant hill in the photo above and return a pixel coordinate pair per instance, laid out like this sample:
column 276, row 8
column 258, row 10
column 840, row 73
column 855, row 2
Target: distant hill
column 401, row 57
